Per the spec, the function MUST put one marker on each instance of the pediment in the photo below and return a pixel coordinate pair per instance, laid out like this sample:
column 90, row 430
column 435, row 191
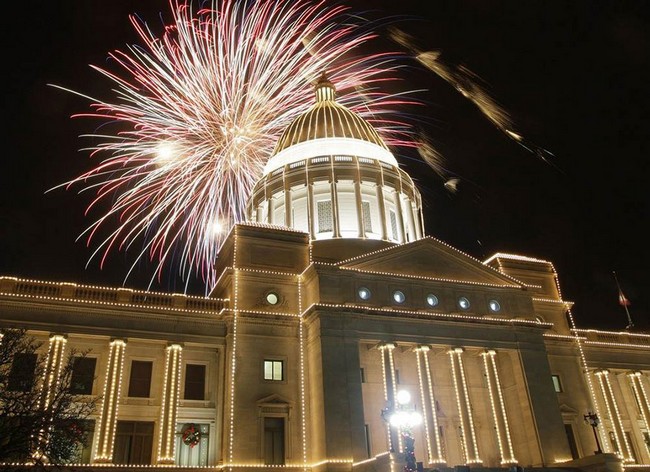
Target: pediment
column 566, row 409
column 430, row 258
column 276, row 400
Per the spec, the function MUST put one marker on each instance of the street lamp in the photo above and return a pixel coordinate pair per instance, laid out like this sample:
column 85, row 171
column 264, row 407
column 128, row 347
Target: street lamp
column 593, row 420
column 404, row 417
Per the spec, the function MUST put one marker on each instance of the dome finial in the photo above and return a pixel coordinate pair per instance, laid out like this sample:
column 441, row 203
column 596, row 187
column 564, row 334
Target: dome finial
column 324, row 89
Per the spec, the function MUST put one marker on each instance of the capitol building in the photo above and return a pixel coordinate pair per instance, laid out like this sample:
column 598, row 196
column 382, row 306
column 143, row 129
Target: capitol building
column 330, row 302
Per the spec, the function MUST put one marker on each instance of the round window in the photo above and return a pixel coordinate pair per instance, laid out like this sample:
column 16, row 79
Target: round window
column 272, row 298
column 398, row 296
column 494, row 306
column 432, row 300
column 463, row 302
column 364, row 293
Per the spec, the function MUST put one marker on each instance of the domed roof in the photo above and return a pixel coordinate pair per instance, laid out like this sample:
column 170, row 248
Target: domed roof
column 327, row 119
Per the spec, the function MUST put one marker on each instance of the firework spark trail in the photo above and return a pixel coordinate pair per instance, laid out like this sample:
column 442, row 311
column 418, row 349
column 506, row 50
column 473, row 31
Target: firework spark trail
column 198, row 111
column 467, row 83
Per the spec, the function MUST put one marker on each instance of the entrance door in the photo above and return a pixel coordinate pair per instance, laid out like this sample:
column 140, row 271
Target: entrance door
column 274, row 441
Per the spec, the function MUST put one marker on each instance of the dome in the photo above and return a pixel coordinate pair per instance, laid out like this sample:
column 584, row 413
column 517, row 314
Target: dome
column 327, row 119
column 333, row 177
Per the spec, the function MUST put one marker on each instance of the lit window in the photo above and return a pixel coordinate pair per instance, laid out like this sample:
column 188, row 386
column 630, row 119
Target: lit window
column 362, row 372
column 432, row 300
column 494, row 306
column 367, row 222
column 273, row 370
column 325, row 216
column 364, row 293
column 398, row 296
column 557, row 385
column 272, row 298
column 463, row 302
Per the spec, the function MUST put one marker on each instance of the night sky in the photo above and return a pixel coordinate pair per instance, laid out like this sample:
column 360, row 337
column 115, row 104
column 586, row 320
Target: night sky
column 573, row 75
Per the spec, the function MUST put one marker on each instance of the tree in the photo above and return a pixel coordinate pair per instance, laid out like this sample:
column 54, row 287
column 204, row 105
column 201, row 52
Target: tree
column 38, row 424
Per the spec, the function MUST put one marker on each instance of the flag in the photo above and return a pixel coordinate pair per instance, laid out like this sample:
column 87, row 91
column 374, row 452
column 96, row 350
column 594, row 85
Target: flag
column 622, row 300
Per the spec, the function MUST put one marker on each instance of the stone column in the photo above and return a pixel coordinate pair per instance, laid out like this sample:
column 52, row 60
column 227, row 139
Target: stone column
column 169, row 406
column 501, row 426
column 51, row 376
column 359, row 205
column 336, row 228
column 428, row 402
column 310, row 211
column 105, row 437
column 397, row 200
column 620, row 439
column 288, row 217
column 382, row 211
column 636, row 382
column 468, row 432
column 390, row 392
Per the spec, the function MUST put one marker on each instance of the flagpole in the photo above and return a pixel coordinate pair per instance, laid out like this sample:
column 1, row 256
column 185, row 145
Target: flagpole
column 623, row 301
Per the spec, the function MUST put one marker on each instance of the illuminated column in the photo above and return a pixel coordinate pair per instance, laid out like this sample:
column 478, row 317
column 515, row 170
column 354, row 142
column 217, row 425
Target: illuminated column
column 310, row 211
column 397, row 200
column 417, row 227
column 636, row 382
column 498, row 408
column 382, row 211
column 428, row 401
column 468, row 432
column 169, row 406
column 270, row 210
column 112, row 386
column 622, row 446
column 288, row 220
column 390, row 390
column 357, row 198
column 51, row 377
column 335, row 209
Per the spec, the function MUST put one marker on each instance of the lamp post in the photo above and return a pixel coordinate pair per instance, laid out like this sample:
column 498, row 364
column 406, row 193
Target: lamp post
column 593, row 420
column 404, row 417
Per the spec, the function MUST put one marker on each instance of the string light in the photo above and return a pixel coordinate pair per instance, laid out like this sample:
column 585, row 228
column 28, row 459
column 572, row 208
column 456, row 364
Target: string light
column 169, row 405
column 112, row 389
column 613, row 413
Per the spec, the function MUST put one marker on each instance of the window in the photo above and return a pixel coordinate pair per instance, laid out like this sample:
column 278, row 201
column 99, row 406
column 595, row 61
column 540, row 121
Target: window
column 21, row 376
column 432, row 300
column 133, row 442
column 368, row 449
column 557, row 385
column 393, row 225
column 197, row 455
column 362, row 373
column 272, row 298
column 494, row 306
column 463, row 302
column 325, row 216
column 364, row 293
column 273, row 370
column 83, row 375
column 194, row 382
column 396, row 377
column 140, row 380
column 367, row 222
column 399, row 296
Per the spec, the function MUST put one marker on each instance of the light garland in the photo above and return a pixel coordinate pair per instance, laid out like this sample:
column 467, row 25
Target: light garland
column 169, row 405
column 638, row 389
column 614, row 415
column 381, row 349
column 437, row 457
column 499, row 414
column 108, row 416
column 303, row 406
column 231, row 432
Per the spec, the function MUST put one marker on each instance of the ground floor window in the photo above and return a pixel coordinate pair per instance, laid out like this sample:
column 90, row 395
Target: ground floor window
column 192, row 441
column 133, row 442
column 82, row 450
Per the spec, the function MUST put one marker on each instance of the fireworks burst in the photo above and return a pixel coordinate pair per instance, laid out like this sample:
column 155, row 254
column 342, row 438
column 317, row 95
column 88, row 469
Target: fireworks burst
column 200, row 108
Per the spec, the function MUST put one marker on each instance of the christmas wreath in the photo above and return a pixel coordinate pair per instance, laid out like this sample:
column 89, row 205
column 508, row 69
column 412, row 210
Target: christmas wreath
column 191, row 435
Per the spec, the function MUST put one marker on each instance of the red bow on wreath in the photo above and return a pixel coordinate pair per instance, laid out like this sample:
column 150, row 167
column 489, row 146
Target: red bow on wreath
column 191, row 435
